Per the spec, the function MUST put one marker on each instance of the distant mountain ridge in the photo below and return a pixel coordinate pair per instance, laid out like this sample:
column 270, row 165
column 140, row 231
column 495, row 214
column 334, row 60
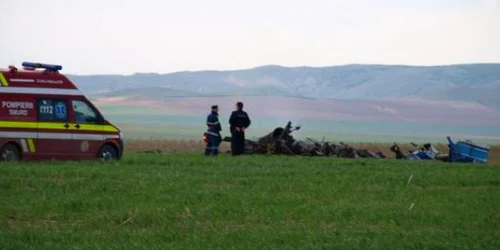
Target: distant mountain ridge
column 478, row 83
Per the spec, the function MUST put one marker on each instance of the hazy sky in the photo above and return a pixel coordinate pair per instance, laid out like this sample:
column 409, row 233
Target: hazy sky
column 113, row 36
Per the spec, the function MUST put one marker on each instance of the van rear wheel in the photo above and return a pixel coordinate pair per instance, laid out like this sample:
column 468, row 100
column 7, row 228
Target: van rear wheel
column 10, row 152
column 108, row 153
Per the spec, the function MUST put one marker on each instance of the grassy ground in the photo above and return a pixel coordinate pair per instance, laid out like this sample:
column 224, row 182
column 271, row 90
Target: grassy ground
column 182, row 201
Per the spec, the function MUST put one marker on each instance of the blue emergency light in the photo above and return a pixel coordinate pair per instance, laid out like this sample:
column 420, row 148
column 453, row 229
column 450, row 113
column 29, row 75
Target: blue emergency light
column 49, row 67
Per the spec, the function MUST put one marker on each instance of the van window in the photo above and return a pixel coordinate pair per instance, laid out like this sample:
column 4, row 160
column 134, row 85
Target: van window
column 52, row 110
column 84, row 113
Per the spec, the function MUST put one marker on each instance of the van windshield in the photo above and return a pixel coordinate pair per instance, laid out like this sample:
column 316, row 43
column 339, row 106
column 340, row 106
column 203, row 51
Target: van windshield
column 84, row 113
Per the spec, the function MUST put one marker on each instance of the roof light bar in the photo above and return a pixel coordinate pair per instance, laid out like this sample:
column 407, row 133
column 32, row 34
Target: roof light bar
column 49, row 67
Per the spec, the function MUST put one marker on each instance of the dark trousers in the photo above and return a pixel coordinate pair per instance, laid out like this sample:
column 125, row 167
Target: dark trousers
column 212, row 147
column 238, row 143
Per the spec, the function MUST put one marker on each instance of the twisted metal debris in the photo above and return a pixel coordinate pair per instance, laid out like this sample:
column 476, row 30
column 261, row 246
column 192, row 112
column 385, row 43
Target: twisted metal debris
column 281, row 142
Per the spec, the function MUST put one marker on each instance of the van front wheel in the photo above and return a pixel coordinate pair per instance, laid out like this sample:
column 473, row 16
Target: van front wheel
column 107, row 153
column 10, row 152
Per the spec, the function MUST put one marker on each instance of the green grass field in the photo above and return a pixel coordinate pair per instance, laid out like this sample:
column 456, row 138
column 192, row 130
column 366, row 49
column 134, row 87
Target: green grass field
column 178, row 201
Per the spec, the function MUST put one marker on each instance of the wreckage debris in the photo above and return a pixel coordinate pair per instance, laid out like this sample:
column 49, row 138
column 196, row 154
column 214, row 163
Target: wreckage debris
column 468, row 152
column 462, row 151
column 426, row 152
column 281, row 142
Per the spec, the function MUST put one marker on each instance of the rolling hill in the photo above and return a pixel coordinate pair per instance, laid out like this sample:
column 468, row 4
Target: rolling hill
column 478, row 83
column 366, row 102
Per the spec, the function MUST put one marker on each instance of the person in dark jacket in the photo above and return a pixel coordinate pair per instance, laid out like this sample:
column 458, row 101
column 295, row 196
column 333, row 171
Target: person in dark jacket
column 213, row 132
column 239, row 122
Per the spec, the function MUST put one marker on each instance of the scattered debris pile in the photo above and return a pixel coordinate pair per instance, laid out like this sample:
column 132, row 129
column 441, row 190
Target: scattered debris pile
column 461, row 151
column 281, row 142
column 426, row 152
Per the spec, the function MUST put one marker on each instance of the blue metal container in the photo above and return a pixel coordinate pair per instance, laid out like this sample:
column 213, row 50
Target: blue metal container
column 466, row 151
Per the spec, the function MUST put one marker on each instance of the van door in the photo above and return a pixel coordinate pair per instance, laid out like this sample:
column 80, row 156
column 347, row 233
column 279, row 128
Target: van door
column 87, row 128
column 54, row 134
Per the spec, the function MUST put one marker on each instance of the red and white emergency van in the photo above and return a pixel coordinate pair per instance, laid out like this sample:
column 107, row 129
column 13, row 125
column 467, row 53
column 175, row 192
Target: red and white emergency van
column 44, row 116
